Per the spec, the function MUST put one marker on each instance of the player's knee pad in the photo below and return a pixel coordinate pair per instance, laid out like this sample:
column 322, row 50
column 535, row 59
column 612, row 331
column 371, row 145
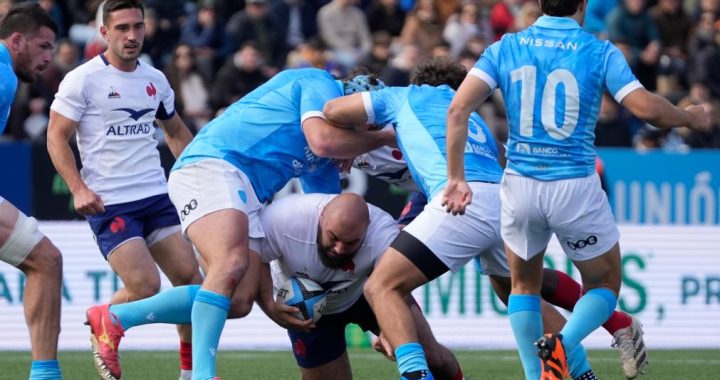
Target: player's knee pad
column 21, row 241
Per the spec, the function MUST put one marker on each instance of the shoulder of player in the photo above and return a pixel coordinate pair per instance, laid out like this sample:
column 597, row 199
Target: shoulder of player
column 86, row 69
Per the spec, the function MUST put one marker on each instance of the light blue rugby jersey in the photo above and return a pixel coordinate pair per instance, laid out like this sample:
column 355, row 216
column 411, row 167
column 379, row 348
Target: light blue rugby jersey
column 261, row 134
column 418, row 116
column 552, row 76
column 8, row 86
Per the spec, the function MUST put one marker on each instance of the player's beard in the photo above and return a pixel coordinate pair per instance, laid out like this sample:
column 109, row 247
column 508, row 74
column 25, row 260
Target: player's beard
column 23, row 70
column 332, row 261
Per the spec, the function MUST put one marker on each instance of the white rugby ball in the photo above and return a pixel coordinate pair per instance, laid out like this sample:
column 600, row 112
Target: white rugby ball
column 306, row 295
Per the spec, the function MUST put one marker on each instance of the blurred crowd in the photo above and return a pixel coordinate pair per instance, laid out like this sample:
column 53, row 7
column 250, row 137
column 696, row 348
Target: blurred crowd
column 215, row 51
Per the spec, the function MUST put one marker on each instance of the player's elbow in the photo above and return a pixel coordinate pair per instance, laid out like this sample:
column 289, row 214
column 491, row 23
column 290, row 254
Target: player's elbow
column 456, row 114
column 330, row 111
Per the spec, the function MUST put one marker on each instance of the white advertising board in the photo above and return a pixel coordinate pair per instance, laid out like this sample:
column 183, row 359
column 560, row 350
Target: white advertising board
column 671, row 282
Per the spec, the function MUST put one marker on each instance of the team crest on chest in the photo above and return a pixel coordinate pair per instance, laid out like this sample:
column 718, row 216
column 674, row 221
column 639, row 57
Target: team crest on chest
column 113, row 94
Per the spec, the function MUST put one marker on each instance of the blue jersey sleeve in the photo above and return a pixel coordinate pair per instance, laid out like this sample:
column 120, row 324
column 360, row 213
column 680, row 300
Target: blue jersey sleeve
column 326, row 181
column 383, row 106
column 314, row 94
column 486, row 67
column 8, row 86
column 619, row 78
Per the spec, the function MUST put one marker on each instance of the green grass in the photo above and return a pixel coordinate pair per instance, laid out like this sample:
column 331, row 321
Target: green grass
column 367, row 365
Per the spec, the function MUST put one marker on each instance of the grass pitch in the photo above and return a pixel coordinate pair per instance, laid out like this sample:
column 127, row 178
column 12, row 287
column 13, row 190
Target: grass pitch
column 367, row 365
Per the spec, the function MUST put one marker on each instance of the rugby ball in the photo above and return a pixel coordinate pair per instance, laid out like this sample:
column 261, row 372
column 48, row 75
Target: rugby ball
column 306, row 295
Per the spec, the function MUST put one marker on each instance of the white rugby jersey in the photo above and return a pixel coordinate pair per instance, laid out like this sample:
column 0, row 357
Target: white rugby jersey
column 116, row 111
column 291, row 231
column 387, row 164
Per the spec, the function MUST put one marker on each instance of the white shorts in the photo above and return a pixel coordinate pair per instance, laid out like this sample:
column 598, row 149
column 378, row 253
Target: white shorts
column 457, row 239
column 211, row 185
column 21, row 241
column 576, row 210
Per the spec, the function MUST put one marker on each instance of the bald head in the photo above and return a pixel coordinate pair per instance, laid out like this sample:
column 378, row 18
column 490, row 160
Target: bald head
column 343, row 224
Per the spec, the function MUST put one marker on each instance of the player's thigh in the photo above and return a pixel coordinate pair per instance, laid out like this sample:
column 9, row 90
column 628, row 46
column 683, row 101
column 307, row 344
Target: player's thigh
column 523, row 225
column 176, row 258
column 338, row 369
column 218, row 210
column 132, row 262
column 396, row 272
column 581, row 217
column 206, row 187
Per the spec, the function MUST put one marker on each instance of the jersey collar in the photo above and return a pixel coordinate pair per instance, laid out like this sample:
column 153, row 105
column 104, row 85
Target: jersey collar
column 552, row 22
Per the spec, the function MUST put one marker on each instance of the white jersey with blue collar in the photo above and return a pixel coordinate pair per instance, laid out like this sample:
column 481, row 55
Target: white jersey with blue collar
column 552, row 76
column 418, row 116
column 116, row 112
column 261, row 134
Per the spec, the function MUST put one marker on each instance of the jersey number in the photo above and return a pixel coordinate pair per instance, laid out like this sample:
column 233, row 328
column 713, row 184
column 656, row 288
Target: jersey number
column 527, row 75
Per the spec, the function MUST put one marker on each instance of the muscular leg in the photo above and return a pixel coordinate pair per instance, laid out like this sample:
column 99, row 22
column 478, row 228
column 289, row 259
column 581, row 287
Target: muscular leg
column 391, row 282
column 43, row 268
column 442, row 362
column 136, row 268
column 42, row 299
column 386, row 289
column 176, row 258
column 601, row 279
column 222, row 239
column 338, row 369
column 524, row 308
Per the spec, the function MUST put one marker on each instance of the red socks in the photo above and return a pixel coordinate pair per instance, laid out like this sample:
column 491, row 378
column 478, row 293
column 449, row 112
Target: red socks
column 618, row 320
column 186, row 356
column 567, row 292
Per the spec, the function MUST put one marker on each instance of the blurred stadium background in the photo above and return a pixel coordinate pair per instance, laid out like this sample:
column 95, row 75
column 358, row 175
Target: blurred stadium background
column 664, row 187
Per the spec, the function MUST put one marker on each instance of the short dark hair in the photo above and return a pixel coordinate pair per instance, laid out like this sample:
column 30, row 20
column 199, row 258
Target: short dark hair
column 26, row 18
column 439, row 71
column 111, row 6
column 560, row 8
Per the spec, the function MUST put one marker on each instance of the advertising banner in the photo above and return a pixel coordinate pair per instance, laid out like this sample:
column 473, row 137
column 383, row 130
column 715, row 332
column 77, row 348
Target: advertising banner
column 671, row 282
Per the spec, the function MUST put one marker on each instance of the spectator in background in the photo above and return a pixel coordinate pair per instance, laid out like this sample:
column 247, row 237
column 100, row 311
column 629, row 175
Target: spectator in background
column 612, row 128
column 192, row 98
column 385, row 15
column 675, row 28
column 158, row 43
column 712, row 6
column 5, row 6
column 345, row 30
column 379, row 54
column 204, row 30
column 707, row 65
column 700, row 95
column 240, row 74
column 170, row 15
column 702, row 35
column 423, row 28
column 462, row 26
column 502, row 16
column 528, row 14
column 296, row 19
column 313, row 53
column 397, row 73
column 596, row 15
column 56, row 13
column 255, row 24
column 632, row 25
column 65, row 59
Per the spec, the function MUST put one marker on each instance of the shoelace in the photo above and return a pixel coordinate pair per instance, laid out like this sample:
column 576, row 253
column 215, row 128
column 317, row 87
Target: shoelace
column 627, row 345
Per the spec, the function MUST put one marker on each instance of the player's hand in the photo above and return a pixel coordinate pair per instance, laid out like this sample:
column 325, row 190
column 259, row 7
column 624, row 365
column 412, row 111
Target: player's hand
column 381, row 345
column 344, row 166
column 700, row 117
column 283, row 315
column 87, row 202
column 456, row 196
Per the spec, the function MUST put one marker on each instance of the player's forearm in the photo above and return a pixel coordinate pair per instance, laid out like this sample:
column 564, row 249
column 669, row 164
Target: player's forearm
column 63, row 159
column 341, row 143
column 660, row 113
column 265, row 296
column 177, row 135
column 455, row 142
